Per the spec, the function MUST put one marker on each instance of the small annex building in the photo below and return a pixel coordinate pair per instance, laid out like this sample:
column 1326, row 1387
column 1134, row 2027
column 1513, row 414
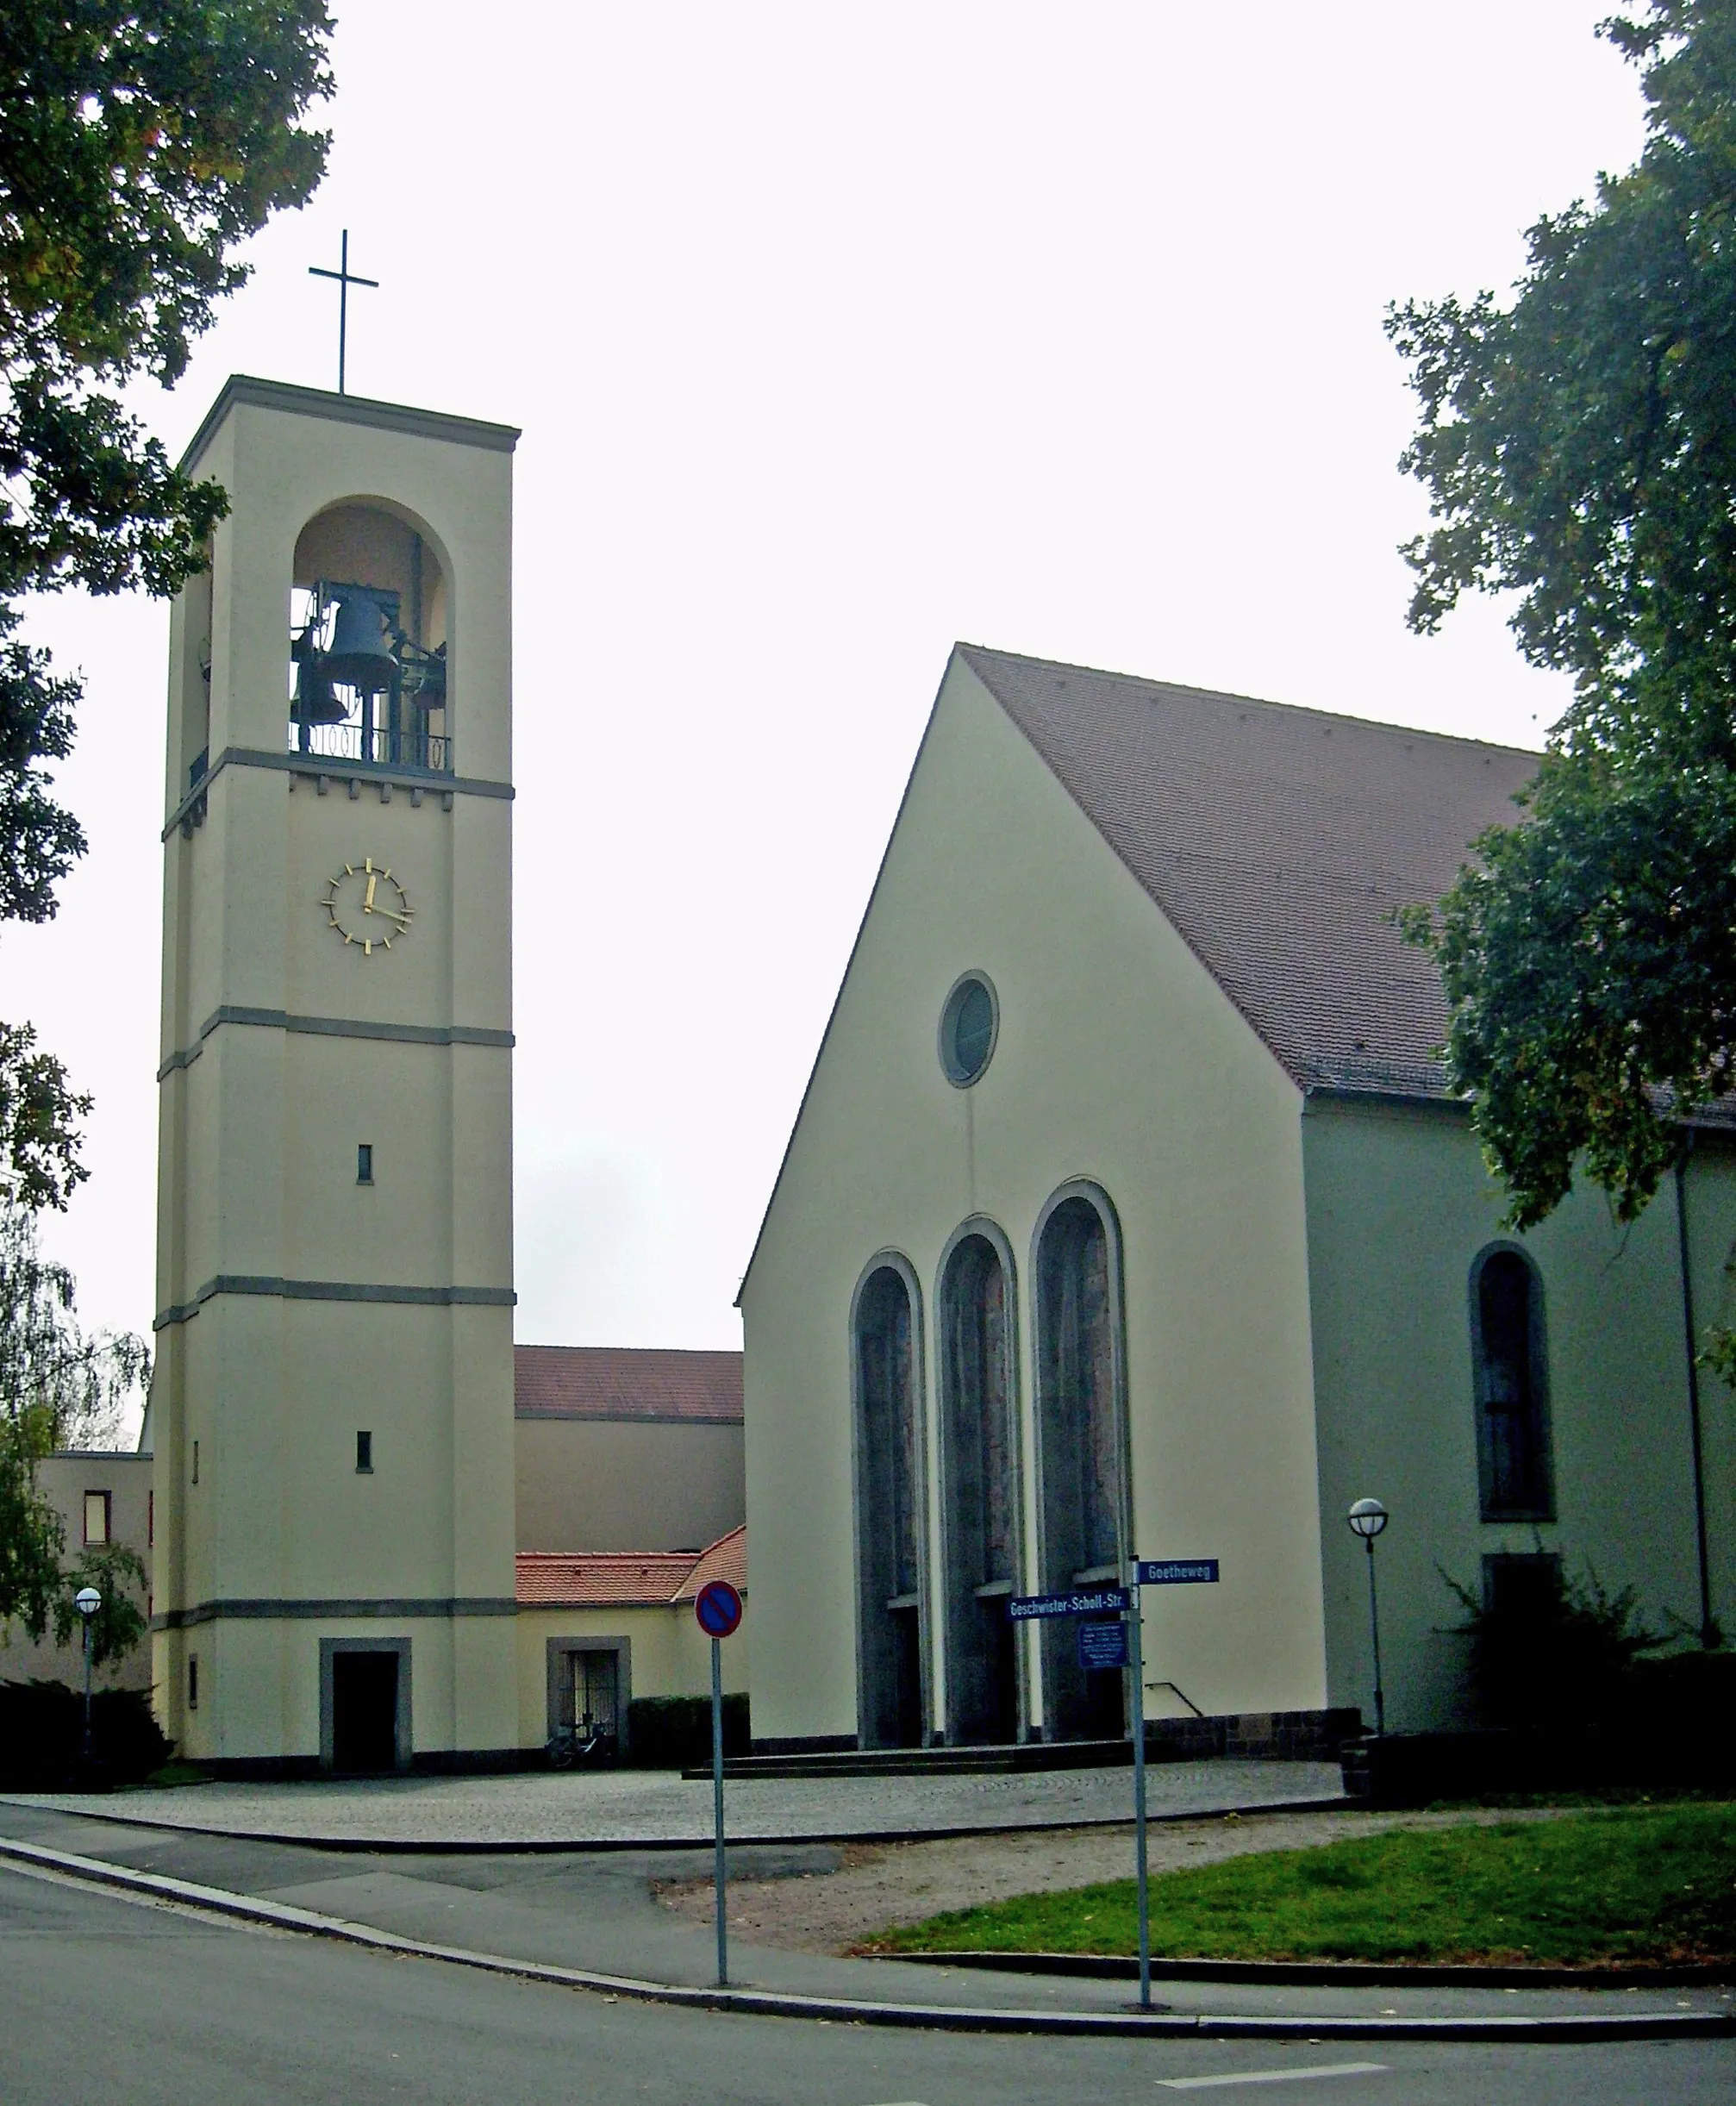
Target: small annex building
column 598, row 1628
column 1126, row 1212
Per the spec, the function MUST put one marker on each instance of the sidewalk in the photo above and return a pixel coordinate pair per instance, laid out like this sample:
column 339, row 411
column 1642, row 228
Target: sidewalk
column 594, row 1911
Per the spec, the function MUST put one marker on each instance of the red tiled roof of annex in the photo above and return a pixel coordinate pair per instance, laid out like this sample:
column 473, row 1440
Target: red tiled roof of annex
column 650, row 1384
column 628, row 1578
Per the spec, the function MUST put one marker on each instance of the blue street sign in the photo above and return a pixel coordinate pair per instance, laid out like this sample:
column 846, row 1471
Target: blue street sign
column 1086, row 1602
column 1176, row 1571
column 1102, row 1645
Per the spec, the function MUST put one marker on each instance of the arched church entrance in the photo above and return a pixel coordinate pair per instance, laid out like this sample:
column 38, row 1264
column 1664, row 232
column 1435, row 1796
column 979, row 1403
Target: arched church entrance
column 889, row 1520
column 981, row 1495
column 1082, row 1445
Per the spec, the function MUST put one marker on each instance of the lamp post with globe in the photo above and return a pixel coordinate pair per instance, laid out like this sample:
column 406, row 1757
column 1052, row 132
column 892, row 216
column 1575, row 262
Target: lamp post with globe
column 1367, row 1518
column 87, row 1602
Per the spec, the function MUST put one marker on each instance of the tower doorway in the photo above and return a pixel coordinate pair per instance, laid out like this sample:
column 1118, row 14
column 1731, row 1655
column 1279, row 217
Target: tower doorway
column 364, row 1712
column 365, row 1705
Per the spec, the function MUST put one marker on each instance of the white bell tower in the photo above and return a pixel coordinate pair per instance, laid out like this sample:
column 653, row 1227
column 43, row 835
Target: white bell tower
column 333, row 1404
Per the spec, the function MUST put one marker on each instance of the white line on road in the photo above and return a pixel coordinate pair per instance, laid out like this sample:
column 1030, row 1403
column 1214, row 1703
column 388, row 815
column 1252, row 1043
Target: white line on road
column 1271, row 2077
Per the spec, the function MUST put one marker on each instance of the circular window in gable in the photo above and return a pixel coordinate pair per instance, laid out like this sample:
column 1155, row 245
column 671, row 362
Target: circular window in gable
column 968, row 1022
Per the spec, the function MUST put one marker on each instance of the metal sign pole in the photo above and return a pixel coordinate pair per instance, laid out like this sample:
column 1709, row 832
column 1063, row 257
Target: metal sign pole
column 717, row 1806
column 1136, row 1663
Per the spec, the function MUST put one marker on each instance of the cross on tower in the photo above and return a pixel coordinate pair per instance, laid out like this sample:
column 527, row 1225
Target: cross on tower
column 345, row 278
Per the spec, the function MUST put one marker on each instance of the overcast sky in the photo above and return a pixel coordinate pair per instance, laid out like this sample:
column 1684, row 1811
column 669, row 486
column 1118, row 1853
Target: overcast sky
column 836, row 334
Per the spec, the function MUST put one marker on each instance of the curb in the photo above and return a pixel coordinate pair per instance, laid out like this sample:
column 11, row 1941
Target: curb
column 948, row 2018
column 1328, row 1973
column 551, row 1845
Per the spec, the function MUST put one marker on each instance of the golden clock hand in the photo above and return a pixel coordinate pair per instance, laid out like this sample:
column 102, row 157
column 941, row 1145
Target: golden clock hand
column 368, row 899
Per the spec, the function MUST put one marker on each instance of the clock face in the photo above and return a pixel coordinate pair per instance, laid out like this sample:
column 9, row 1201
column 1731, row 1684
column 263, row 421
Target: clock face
column 367, row 905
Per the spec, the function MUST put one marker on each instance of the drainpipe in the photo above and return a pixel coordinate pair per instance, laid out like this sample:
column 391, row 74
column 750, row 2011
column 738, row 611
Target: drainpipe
column 1707, row 1633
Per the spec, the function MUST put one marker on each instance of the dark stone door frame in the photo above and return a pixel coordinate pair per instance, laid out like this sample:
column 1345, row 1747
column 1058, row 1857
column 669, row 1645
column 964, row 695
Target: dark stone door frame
column 404, row 1738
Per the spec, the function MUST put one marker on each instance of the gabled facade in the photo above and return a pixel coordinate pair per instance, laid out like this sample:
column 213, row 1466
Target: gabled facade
column 1125, row 1214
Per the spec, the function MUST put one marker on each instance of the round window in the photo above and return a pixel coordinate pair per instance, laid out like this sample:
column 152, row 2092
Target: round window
column 968, row 1024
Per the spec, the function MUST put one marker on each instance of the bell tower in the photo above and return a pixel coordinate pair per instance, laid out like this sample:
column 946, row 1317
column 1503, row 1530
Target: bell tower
column 331, row 1410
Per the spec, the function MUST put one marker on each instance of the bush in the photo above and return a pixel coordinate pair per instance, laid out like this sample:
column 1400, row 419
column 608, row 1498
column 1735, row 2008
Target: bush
column 674, row 1732
column 42, row 1731
column 1558, row 1652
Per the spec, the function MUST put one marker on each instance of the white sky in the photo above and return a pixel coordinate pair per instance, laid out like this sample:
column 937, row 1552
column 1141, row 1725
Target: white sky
column 836, row 334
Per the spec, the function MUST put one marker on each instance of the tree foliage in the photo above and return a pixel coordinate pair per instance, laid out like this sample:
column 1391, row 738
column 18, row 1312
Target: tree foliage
column 117, row 1572
column 59, row 1387
column 140, row 143
column 1579, row 443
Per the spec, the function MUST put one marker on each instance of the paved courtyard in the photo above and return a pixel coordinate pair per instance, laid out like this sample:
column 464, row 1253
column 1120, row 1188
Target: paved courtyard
column 618, row 1807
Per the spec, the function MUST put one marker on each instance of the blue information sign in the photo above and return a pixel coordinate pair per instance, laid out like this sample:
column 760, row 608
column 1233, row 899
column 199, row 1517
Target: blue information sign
column 1176, row 1571
column 1102, row 1645
column 1084, row 1602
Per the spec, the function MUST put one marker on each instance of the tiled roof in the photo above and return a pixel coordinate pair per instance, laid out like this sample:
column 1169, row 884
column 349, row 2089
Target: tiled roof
column 653, row 1384
column 628, row 1579
column 1278, row 840
column 727, row 1558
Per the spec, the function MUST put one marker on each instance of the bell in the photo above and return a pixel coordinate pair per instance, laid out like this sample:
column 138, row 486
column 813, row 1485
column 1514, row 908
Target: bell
column 315, row 703
column 361, row 656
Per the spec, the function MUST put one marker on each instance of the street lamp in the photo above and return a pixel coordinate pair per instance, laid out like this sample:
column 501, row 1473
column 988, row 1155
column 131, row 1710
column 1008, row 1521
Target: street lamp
column 1367, row 1518
column 87, row 1602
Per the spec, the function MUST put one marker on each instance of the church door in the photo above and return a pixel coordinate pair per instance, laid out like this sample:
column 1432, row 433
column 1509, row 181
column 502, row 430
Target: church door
column 889, row 1525
column 1081, row 1443
column 981, row 1470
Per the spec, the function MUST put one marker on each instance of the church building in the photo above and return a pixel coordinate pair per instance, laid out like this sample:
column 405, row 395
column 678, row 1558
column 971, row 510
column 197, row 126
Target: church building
column 1127, row 1214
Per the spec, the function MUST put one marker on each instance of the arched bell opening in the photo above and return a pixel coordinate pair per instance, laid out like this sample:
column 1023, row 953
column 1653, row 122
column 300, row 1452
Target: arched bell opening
column 1081, row 1451
column 981, row 1492
column 369, row 611
column 885, row 1343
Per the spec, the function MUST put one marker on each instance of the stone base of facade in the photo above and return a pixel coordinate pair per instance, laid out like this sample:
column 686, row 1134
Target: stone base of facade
column 1273, row 1736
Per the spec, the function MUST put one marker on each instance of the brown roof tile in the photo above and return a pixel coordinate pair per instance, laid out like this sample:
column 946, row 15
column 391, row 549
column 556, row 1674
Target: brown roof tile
column 650, row 1383
column 1277, row 840
column 628, row 1579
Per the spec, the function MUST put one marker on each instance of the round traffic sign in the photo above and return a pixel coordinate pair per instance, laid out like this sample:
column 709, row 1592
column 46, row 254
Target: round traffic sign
column 718, row 1607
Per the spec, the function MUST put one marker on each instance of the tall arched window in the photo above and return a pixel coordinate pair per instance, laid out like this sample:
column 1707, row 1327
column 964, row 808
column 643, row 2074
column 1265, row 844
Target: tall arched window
column 1081, row 1437
column 981, row 1493
column 1509, row 1356
column 889, row 1519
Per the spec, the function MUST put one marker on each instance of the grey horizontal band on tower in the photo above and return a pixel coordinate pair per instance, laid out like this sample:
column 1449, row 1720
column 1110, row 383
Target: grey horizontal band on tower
column 290, row 1610
column 339, row 770
column 333, row 1291
column 335, row 1028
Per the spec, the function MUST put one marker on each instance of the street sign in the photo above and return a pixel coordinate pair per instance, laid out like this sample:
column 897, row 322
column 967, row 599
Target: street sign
column 1176, row 1571
column 1084, row 1602
column 1102, row 1645
column 718, row 1607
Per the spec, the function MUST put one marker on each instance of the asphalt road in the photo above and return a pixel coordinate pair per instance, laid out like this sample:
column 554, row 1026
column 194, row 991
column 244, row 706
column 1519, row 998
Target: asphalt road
column 104, row 1998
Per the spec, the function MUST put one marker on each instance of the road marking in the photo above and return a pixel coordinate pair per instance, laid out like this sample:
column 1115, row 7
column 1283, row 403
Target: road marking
column 1271, row 2077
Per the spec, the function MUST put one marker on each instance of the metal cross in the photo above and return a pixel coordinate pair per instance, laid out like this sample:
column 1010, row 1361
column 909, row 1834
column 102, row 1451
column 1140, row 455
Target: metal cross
column 345, row 278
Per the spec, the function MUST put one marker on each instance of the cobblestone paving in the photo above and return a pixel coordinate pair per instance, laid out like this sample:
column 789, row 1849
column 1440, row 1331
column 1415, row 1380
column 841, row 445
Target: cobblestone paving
column 659, row 1807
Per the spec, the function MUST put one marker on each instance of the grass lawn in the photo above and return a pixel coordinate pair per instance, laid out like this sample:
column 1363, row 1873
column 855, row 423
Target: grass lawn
column 1640, row 1883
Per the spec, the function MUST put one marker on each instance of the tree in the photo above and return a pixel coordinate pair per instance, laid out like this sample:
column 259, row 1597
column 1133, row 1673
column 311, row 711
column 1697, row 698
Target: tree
column 58, row 1388
column 1579, row 446
column 139, row 144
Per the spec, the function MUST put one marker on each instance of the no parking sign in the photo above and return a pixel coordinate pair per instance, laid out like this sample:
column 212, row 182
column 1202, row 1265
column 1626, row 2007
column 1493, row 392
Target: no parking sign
column 718, row 1607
